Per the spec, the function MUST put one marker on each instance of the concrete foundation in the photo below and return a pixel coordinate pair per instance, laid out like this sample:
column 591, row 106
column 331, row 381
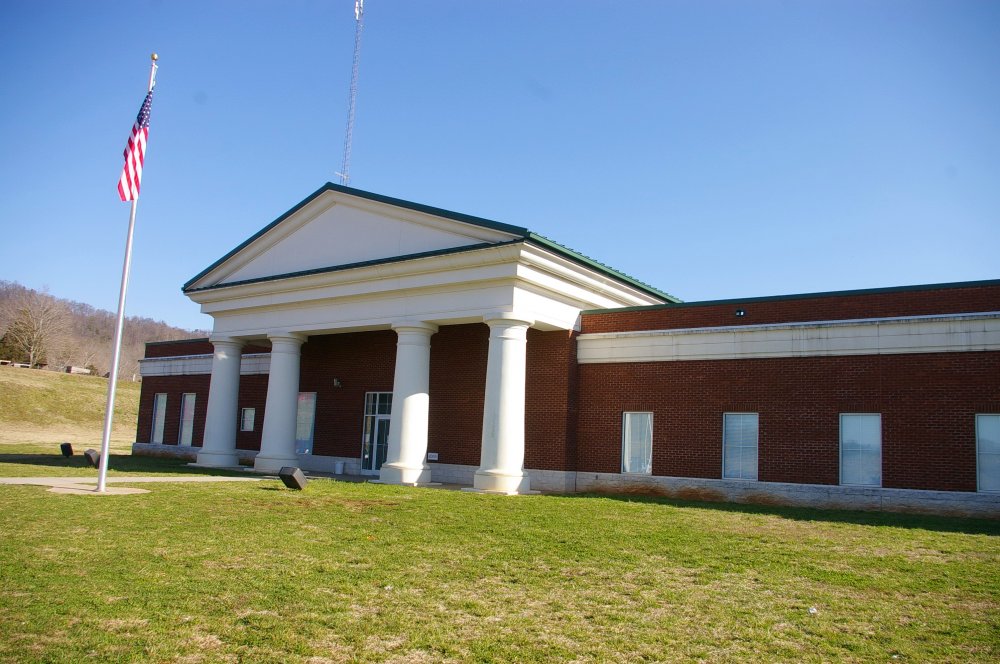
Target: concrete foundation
column 948, row 503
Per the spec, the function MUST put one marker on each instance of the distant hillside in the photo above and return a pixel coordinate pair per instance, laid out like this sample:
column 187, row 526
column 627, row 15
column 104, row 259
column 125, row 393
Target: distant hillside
column 46, row 408
column 41, row 329
column 44, row 398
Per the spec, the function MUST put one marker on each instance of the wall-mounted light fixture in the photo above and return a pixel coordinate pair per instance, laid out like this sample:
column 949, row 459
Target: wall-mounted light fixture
column 740, row 313
column 337, row 383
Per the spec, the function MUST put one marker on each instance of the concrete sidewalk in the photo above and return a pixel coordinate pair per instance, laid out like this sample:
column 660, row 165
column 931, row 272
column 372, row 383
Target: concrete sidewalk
column 88, row 485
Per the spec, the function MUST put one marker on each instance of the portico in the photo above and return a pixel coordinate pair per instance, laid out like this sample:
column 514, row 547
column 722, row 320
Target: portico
column 345, row 262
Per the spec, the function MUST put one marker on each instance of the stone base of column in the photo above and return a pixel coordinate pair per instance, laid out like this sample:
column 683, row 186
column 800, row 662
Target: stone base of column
column 272, row 464
column 397, row 474
column 496, row 482
column 212, row 459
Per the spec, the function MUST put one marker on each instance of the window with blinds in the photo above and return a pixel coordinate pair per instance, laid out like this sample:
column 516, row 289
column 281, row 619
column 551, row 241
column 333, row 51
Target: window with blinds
column 739, row 445
column 637, row 443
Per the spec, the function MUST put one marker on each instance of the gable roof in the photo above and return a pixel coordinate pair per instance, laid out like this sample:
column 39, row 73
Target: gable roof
column 521, row 235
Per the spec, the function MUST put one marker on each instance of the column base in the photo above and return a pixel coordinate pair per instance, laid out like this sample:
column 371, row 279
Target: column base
column 272, row 464
column 398, row 474
column 213, row 459
column 486, row 481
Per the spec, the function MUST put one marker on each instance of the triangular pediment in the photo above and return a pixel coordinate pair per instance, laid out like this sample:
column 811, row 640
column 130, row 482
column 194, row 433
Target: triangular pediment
column 339, row 226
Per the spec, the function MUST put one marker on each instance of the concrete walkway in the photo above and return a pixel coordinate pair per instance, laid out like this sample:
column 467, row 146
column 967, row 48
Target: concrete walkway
column 88, row 485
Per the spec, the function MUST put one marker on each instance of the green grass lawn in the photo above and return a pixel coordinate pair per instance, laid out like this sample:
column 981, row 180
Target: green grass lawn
column 360, row 572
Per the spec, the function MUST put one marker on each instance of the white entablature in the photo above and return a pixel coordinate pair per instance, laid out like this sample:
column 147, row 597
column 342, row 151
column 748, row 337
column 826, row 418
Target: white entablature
column 346, row 260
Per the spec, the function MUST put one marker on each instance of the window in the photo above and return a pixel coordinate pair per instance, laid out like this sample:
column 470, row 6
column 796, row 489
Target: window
column 637, row 443
column 305, row 420
column 739, row 445
column 187, row 419
column 159, row 417
column 861, row 449
column 988, row 451
column 247, row 416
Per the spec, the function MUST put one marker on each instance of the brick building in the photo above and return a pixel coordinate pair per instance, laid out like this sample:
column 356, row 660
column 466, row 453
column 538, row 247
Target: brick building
column 419, row 345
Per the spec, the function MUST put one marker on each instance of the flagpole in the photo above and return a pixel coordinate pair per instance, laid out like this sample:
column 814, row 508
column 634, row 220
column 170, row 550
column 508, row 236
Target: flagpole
column 109, row 407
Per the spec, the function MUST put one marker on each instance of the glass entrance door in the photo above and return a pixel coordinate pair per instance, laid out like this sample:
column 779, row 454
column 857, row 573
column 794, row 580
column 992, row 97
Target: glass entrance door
column 375, row 442
column 374, row 454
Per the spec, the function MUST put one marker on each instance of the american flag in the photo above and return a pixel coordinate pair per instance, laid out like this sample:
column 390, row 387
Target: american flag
column 135, row 152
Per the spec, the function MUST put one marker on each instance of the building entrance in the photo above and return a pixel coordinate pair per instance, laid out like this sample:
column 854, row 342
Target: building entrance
column 375, row 441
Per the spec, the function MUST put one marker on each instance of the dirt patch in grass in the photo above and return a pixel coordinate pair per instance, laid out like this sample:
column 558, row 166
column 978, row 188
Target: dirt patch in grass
column 762, row 499
column 700, row 494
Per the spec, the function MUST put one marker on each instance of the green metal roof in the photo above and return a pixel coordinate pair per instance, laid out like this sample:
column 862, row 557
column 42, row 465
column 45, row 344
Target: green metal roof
column 523, row 235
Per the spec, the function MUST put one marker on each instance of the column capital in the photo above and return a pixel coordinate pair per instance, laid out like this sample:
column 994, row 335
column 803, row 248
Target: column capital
column 283, row 336
column 416, row 326
column 507, row 318
column 219, row 339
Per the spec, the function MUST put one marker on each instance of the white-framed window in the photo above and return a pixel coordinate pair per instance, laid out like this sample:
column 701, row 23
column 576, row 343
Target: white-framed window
column 247, row 417
column 637, row 443
column 159, row 417
column 739, row 445
column 305, row 422
column 861, row 449
column 988, row 452
column 187, row 418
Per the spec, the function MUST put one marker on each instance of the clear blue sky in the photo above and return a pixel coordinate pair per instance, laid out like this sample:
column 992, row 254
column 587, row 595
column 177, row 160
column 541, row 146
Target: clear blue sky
column 711, row 148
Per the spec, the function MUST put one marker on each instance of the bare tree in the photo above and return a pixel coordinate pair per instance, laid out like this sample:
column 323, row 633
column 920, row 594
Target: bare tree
column 84, row 340
column 37, row 324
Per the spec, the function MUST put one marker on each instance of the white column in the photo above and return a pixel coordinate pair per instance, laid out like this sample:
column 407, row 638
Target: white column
column 277, row 445
column 502, row 458
column 405, row 461
column 219, row 446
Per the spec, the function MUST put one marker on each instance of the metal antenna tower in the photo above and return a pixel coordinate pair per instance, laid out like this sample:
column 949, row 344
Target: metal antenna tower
column 359, row 19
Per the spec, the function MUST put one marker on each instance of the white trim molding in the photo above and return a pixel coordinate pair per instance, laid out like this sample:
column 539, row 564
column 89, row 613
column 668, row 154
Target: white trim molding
column 444, row 289
column 192, row 365
column 949, row 333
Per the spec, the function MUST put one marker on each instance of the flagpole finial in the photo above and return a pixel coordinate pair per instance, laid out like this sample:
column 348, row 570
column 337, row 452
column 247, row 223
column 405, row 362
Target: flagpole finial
column 154, row 57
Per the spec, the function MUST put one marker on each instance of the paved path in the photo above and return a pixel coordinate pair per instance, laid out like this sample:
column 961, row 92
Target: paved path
column 88, row 485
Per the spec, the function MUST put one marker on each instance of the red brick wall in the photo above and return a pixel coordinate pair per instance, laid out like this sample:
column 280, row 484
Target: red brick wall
column 174, row 387
column 928, row 404
column 363, row 362
column 794, row 308
column 253, row 394
column 550, row 401
column 457, row 386
column 196, row 347
column 182, row 347
column 457, row 390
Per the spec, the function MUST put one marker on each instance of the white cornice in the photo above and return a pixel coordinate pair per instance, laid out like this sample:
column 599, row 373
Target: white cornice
column 190, row 365
column 444, row 288
column 913, row 334
column 592, row 286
